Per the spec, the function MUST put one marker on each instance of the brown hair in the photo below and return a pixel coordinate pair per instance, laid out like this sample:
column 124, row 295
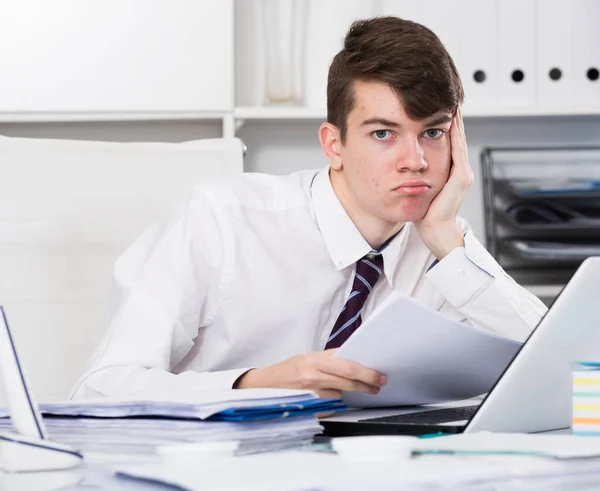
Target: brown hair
column 407, row 56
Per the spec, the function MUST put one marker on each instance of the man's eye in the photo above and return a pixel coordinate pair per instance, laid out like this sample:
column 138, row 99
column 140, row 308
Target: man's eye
column 381, row 134
column 434, row 133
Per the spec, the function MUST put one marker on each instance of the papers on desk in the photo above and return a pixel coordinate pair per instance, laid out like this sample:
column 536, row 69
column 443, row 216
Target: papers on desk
column 137, row 436
column 427, row 357
column 295, row 470
column 218, row 405
column 260, row 419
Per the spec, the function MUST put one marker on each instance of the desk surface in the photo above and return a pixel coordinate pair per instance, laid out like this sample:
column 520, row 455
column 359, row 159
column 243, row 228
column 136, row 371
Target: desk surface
column 99, row 477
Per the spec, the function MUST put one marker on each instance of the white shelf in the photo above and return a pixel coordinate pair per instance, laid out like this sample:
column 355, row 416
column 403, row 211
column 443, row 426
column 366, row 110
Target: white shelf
column 291, row 113
column 279, row 112
column 54, row 117
column 306, row 113
column 546, row 291
column 532, row 112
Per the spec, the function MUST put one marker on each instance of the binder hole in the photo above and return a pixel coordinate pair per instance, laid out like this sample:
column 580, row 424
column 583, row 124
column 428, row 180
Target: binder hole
column 555, row 74
column 593, row 74
column 479, row 76
column 517, row 75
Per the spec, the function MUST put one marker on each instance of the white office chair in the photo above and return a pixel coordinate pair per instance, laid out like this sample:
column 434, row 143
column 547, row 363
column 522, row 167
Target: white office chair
column 68, row 209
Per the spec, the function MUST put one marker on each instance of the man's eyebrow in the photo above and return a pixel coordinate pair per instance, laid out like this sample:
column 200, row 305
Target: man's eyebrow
column 443, row 119
column 380, row 121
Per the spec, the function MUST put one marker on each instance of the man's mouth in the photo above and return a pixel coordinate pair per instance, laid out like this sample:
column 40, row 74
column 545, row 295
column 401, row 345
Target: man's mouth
column 413, row 188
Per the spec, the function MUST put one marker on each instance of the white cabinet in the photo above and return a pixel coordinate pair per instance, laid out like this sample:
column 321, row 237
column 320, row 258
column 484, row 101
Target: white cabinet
column 116, row 56
column 484, row 37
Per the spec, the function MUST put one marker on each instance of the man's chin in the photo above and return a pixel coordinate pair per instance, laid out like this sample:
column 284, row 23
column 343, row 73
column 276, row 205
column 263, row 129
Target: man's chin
column 414, row 216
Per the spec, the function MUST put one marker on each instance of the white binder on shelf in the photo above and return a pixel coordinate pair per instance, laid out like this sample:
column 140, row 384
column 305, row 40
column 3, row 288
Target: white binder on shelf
column 516, row 53
column 555, row 83
column 478, row 65
column 441, row 16
column 585, row 15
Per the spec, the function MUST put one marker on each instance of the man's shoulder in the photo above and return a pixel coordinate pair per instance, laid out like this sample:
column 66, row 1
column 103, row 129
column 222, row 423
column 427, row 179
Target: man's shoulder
column 258, row 191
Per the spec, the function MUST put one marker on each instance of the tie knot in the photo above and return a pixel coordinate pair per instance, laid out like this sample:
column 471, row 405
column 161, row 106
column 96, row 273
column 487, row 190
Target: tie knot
column 368, row 271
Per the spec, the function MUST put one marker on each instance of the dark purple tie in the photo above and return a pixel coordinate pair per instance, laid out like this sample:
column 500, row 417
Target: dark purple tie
column 368, row 271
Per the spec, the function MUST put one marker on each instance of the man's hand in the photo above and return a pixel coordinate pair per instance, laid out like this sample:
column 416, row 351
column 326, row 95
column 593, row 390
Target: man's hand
column 317, row 371
column 438, row 228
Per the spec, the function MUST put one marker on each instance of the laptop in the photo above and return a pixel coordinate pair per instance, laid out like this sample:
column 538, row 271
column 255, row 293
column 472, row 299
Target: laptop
column 533, row 394
column 28, row 449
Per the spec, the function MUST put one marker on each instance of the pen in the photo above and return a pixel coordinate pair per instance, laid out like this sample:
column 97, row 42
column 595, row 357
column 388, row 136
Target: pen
column 434, row 435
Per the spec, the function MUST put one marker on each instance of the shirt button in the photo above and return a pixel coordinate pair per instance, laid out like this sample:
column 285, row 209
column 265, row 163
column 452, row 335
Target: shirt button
column 460, row 273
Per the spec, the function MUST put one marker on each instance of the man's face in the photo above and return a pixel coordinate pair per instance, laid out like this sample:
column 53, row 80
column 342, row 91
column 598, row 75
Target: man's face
column 391, row 167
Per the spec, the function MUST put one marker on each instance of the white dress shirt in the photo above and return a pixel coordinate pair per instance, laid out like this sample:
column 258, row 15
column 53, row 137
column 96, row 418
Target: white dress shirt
column 251, row 271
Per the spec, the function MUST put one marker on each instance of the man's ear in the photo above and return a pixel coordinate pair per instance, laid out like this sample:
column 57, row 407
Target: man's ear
column 329, row 136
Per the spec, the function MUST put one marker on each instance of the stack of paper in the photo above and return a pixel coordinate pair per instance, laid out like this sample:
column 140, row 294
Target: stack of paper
column 259, row 419
column 146, row 436
column 586, row 398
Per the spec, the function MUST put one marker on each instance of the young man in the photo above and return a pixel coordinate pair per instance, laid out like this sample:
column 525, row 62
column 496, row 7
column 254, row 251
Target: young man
column 256, row 281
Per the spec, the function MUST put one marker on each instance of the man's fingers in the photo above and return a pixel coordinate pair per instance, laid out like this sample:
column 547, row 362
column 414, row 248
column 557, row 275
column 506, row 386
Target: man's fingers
column 460, row 156
column 461, row 125
column 456, row 143
column 350, row 370
column 329, row 394
column 327, row 381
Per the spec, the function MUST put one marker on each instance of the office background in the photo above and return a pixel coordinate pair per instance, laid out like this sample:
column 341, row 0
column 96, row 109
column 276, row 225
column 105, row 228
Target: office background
column 193, row 69
column 176, row 70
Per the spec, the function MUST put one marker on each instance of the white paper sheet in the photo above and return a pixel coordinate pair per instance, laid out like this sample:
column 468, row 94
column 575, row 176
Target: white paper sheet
column 294, row 470
column 427, row 357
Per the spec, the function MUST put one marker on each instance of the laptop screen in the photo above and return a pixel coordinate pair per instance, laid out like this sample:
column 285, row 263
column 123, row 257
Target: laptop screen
column 516, row 355
column 23, row 409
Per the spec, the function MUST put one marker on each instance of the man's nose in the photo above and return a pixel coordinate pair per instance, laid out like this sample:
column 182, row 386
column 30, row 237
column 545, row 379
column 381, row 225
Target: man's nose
column 412, row 157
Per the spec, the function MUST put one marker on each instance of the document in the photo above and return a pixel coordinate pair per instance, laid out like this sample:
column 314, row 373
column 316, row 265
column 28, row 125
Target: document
column 303, row 470
column 427, row 357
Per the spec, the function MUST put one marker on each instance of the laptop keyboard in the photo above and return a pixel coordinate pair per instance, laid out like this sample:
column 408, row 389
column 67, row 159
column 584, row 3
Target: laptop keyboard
column 433, row 417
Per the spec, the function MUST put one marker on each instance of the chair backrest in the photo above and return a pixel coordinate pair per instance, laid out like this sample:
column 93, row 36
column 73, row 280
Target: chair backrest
column 68, row 209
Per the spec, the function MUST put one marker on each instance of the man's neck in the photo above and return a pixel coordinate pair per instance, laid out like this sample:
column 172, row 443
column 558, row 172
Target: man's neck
column 376, row 232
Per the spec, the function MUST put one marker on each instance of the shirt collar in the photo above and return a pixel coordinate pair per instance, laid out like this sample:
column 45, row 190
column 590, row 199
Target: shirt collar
column 394, row 250
column 344, row 242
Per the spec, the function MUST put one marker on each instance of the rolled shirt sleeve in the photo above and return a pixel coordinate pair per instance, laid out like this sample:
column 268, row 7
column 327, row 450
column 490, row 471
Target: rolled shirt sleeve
column 477, row 287
column 167, row 285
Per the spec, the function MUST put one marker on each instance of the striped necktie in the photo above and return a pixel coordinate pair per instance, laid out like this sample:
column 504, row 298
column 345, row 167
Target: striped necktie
column 368, row 271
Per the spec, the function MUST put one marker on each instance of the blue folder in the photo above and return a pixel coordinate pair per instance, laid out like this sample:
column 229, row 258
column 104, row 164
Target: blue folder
column 280, row 410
